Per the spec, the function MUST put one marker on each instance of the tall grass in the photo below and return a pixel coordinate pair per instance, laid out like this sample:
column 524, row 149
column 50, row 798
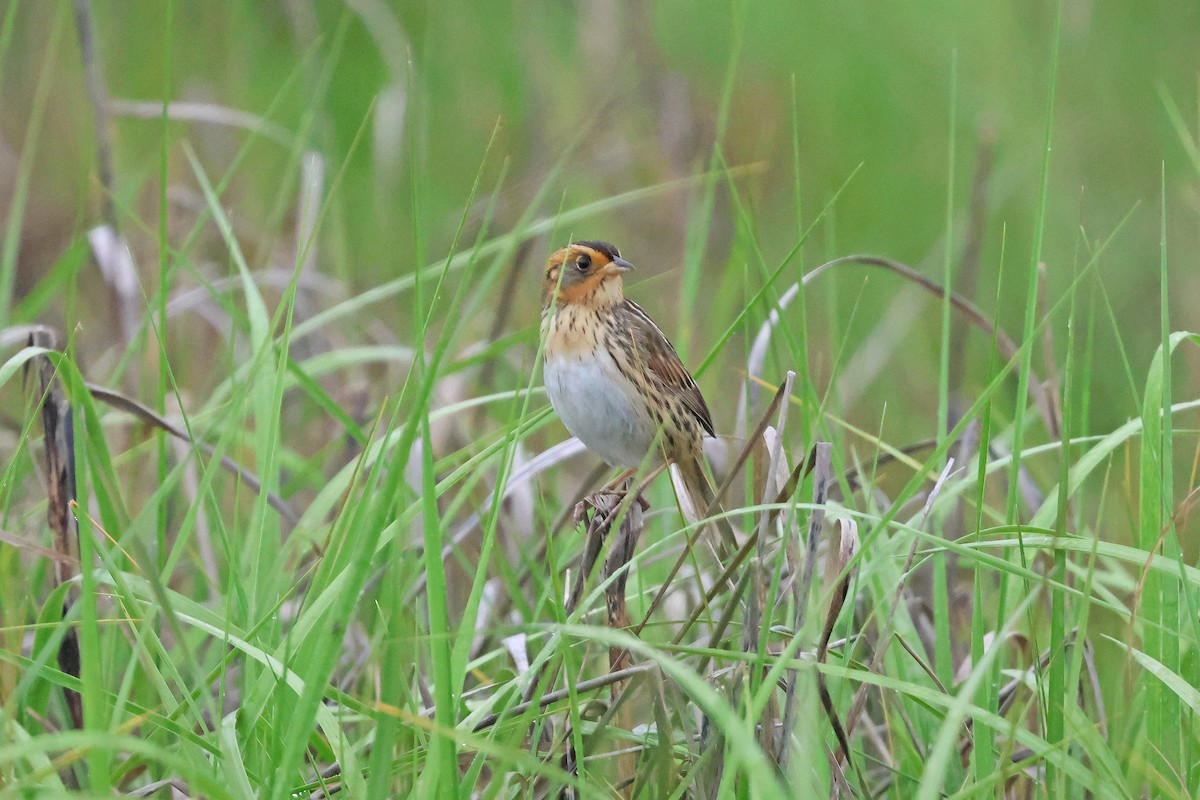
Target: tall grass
column 965, row 558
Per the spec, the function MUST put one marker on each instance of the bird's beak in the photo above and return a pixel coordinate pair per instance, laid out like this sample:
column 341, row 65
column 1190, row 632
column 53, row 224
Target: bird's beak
column 620, row 265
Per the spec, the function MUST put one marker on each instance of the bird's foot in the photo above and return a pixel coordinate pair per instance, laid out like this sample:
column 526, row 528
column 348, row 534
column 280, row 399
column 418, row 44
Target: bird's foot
column 603, row 503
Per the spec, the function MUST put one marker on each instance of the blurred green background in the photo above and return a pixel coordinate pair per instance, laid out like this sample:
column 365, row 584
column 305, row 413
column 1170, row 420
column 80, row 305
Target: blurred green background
column 627, row 95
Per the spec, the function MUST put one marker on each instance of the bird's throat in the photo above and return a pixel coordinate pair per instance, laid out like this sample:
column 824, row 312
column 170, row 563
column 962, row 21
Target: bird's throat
column 596, row 291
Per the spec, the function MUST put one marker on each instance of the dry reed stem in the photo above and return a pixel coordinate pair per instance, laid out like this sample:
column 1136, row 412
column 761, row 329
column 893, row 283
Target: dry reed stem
column 756, row 606
column 59, row 428
column 802, row 589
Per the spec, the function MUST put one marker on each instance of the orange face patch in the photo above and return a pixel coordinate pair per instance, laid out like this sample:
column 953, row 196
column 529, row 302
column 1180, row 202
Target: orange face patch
column 572, row 285
column 585, row 290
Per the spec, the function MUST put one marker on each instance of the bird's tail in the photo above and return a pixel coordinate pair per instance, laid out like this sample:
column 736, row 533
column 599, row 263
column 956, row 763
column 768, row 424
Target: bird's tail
column 693, row 488
column 697, row 497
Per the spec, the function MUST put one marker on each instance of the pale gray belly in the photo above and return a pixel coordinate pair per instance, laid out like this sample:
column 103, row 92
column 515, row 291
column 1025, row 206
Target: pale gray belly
column 593, row 400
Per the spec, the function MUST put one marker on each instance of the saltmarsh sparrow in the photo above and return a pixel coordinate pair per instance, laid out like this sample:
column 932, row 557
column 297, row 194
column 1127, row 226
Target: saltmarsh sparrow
column 612, row 375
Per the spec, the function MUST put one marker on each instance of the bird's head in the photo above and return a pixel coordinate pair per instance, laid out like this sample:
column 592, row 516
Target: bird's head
column 585, row 272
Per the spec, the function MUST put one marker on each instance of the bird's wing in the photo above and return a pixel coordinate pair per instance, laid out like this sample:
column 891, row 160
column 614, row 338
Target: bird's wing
column 663, row 363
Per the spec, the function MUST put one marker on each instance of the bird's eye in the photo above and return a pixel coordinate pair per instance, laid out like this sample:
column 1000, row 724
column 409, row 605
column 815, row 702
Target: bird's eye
column 583, row 262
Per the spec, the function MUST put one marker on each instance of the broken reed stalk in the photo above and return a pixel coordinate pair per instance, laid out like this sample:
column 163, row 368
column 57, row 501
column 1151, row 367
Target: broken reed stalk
column 616, row 574
column 624, row 510
column 59, row 429
column 802, row 589
column 846, row 568
column 752, row 638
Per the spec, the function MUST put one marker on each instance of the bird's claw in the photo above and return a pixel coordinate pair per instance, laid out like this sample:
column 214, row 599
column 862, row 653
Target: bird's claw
column 603, row 503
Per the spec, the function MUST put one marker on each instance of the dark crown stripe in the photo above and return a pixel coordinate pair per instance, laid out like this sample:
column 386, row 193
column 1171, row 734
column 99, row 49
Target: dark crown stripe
column 607, row 249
